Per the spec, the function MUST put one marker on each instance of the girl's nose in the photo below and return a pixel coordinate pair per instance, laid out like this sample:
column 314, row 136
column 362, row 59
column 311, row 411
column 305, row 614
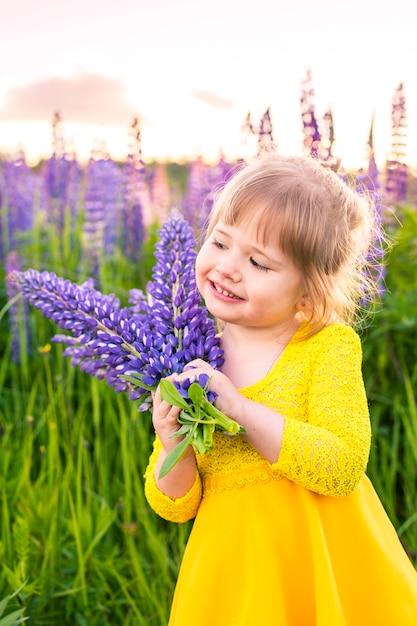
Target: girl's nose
column 229, row 269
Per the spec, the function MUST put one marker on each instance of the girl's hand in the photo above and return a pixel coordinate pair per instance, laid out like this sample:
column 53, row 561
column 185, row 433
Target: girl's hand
column 165, row 416
column 229, row 400
column 165, row 420
column 264, row 426
column 180, row 479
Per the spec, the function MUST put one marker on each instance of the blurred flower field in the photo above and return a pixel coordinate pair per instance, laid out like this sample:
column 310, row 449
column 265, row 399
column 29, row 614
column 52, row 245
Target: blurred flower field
column 78, row 543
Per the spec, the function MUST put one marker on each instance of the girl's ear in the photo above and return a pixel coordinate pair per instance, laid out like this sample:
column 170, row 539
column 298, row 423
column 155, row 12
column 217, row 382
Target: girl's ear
column 304, row 308
column 303, row 303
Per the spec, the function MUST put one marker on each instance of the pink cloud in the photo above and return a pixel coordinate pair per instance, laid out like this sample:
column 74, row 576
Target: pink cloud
column 86, row 98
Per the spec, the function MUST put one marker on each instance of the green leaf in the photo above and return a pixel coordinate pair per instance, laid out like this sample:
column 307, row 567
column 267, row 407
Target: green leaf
column 171, row 394
column 222, row 420
column 16, row 617
column 3, row 604
column 13, row 618
column 181, row 431
column 175, row 455
column 185, row 417
column 198, row 442
column 208, row 433
column 196, row 394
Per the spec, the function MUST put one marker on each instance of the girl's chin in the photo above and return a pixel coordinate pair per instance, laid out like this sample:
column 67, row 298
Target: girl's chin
column 222, row 314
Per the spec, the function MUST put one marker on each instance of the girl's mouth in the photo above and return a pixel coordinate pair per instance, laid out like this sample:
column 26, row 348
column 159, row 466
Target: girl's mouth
column 224, row 292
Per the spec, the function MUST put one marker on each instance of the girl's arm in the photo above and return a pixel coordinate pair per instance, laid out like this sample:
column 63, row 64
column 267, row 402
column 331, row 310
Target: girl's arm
column 263, row 425
column 177, row 509
column 181, row 478
column 326, row 449
column 176, row 497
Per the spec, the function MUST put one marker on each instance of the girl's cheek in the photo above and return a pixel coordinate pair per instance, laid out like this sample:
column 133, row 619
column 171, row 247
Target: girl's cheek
column 199, row 272
column 200, row 258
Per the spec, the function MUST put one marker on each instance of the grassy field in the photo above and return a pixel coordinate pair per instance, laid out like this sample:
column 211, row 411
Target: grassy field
column 78, row 542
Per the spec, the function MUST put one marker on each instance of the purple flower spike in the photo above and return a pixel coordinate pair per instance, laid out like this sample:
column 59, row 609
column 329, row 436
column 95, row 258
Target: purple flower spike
column 135, row 348
column 131, row 348
column 176, row 313
column 96, row 321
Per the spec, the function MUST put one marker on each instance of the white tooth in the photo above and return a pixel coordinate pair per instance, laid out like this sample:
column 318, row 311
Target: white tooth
column 223, row 291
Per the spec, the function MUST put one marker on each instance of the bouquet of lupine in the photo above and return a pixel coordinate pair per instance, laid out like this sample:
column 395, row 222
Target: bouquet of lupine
column 134, row 348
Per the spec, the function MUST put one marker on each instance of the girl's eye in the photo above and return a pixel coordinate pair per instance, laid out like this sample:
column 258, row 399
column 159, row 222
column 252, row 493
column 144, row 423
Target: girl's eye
column 258, row 265
column 219, row 244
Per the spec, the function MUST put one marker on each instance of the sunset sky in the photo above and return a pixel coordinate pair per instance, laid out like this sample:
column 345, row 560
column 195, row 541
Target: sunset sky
column 191, row 70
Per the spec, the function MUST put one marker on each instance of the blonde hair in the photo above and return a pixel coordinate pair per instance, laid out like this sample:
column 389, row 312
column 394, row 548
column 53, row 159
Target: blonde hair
column 326, row 227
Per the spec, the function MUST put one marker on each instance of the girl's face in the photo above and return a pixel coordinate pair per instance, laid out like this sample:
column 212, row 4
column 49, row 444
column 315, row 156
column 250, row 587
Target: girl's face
column 245, row 281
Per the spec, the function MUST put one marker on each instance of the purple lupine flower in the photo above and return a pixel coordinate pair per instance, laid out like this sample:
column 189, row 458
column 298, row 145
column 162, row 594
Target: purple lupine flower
column 203, row 380
column 198, row 188
column 327, row 138
column 133, row 226
column 373, row 173
column 263, row 132
column 134, row 192
column 223, row 170
column 248, row 127
column 265, row 141
column 396, row 166
column 138, row 301
column 203, row 183
column 61, row 182
column 93, row 228
column 217, row 176
column 396, row 176
column 177, row 327
column 61, row 179
column 104, row 340
column 311, row 131
column 146, row 341
column 369, row 178
column 376, row 259
column 378, row 253
column 18, row 190
column 368, row 181
column 102, row 211
column 112, row 185
column 135, row 352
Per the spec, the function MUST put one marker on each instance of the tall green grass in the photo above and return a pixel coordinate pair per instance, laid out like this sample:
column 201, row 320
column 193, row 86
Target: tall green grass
column 77, row 539
column 74, row 523
column 390, row 372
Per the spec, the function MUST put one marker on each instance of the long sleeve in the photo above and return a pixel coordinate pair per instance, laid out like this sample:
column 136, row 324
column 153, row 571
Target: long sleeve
column 178, row 510
column 327, row 450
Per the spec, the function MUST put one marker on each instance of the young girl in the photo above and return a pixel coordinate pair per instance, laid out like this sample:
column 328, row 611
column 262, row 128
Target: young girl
column 288, row 529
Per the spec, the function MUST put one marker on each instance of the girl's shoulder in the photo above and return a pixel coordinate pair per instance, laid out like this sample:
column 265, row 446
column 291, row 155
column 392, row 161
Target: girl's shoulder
column 343, row 331
column 332, row 335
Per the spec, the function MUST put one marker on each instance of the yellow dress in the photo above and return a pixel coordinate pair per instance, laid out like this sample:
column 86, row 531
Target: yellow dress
column 304, row 541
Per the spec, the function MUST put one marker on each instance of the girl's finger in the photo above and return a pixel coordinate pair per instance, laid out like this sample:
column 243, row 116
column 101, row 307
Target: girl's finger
column 198, row 363
column 189, row 366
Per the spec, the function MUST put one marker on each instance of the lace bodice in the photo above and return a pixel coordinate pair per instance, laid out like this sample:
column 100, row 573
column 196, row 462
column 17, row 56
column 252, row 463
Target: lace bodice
column 317, row 386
